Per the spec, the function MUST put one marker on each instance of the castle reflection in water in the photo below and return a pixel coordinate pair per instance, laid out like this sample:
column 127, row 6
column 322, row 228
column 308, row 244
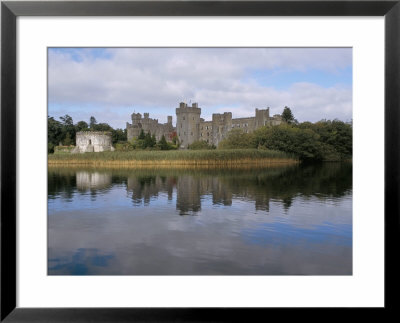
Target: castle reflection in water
column 190, row 187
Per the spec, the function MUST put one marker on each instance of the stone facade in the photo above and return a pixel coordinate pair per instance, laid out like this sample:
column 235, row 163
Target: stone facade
column 149, row 125
column 93, row 141
column 190, row 127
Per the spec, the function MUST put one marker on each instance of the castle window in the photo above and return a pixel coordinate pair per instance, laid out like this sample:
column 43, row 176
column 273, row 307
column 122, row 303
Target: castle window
column 183, row 118
column 191, row 133
column 201, row 134
column 184, row 133
column 208, row 133
column 181, row 125
column 193, row 118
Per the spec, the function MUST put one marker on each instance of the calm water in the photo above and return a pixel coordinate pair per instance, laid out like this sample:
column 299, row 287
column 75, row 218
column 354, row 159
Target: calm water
column 279, row 221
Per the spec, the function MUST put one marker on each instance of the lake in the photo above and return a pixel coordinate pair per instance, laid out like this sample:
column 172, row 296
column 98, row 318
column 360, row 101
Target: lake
column 293, row 220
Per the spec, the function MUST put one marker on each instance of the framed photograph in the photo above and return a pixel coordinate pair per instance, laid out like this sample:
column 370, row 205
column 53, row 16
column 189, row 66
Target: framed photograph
column 198, row 160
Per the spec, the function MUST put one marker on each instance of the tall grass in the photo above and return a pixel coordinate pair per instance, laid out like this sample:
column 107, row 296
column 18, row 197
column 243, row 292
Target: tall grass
column 174, row 157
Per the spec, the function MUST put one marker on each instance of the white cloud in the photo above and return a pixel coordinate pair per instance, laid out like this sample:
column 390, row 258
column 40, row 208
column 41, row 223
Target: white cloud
column 150, row 78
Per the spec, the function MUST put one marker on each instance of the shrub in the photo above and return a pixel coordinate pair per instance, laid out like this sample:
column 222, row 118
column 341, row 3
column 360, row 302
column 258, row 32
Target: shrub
column 200, row 145
column 304, row 143
column 238, row 139
column 124, row 146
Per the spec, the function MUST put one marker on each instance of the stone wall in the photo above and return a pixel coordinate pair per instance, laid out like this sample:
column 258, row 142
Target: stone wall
column 188, row 124
column 148, row 124
column 190, row 127
column 93, row 141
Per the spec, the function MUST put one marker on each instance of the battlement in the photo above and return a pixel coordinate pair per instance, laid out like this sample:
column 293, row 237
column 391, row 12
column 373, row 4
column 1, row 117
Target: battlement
column 190, row 127
column 148, row 124
column 222, row 117
column 184, row 108
column 94, row 133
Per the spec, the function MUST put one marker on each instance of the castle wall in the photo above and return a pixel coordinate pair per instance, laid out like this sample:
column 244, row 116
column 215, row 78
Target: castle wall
column 206, row 133
column 93, row 141
column 148, row 124
column 247, row 124
column 221, row 125
column 190, row 127
column 276, row 120
column 262, row 117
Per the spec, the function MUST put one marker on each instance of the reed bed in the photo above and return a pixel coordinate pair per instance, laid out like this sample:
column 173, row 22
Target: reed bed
column 180, row 158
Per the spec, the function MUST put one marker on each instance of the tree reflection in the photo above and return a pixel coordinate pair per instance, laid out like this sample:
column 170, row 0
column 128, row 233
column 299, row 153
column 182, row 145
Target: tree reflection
column 190, row 186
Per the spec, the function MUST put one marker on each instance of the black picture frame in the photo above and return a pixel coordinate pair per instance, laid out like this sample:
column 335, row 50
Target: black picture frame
column 10, row 10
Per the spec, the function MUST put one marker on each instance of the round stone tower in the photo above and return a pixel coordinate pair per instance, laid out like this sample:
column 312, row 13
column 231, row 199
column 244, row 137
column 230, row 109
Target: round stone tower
column 188, row 124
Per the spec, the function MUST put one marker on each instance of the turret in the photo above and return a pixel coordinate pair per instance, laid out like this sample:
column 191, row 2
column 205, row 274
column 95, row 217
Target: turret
column 188, row 123
column 262, row 117
column 136, row 118
column 221, row 125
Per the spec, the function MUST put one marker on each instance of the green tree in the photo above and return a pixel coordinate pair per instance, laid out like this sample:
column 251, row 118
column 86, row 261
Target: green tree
column 201, row 145
column 153, row 141
column 81, row 126
column 118, row 135
column 67, row 120
column 303, row 143
column 287, row 115
column 54, row 133
column 68, row 141
column 148, row 140
column 141, row 135
column 68, row 128
column 162, row 144
column 236, row 139
column 92, row 122
column 337, row 134
column 102, row 127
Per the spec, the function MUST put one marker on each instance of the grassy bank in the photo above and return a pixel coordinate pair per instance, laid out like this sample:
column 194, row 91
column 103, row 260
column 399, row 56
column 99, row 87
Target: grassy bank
column 230, row 157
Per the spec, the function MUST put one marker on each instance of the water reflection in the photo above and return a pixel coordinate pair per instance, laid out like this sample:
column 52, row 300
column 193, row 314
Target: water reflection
column 190, row 186
column 289, row 220
column 92, row 180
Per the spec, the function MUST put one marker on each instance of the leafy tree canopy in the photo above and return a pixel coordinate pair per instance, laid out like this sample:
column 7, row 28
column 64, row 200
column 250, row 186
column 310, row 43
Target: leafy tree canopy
column 237, row 138
column 287, row 115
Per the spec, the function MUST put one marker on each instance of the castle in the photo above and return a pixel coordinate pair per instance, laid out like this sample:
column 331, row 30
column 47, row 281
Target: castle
column 93, row 141
column 190, row 127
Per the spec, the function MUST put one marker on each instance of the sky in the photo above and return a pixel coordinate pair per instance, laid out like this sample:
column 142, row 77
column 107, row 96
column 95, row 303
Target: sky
column 112, row 83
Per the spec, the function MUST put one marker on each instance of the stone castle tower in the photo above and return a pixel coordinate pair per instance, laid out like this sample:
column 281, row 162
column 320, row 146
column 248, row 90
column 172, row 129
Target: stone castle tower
column 187, row 123
column 148, row 124
column 190, row 127
column 221, row 125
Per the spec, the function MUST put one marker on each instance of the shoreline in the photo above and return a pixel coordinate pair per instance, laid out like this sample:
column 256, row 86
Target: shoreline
column 274, row 162
column 173, row 158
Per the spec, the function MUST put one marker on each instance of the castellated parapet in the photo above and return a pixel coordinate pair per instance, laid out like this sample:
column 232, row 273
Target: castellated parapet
column 190, row 127
column 93, row 141
column 188, row 123
column 148, row 124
